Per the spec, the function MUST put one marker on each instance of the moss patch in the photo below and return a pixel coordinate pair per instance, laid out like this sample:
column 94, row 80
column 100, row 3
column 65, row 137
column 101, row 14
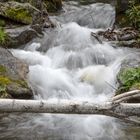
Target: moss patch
column 4, row 81
column 19, row 14
column 129, row 78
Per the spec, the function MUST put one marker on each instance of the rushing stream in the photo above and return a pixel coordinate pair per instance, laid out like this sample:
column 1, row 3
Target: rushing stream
column 68, row 63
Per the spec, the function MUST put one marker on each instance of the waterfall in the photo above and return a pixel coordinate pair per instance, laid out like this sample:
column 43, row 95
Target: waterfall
column 76, row 67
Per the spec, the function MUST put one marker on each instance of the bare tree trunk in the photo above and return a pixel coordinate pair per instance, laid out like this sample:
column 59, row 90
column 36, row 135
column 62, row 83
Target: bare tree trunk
column 112, row 108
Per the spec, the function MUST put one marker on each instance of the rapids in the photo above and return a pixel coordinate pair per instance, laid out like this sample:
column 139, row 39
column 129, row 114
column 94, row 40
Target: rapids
column 74, row 66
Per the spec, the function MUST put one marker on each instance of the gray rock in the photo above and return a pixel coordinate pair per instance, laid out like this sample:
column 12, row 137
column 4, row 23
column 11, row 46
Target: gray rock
column 20, row 36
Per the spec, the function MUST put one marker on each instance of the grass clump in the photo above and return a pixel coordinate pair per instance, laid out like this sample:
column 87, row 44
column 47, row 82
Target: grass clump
column 4, row 81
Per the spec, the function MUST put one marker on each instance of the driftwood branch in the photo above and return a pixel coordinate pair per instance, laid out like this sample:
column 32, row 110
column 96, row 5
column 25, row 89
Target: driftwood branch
column 113, row 108
column 126, row 96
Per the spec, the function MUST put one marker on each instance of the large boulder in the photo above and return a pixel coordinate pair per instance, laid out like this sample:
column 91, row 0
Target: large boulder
column 129, row 75
column 13, row 77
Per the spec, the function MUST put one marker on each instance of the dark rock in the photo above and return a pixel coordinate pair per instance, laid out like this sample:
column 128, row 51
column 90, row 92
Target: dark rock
column 20, row 36
column 13, row 76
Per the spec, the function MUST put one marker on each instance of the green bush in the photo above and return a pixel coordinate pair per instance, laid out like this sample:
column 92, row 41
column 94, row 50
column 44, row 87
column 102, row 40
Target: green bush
column 133, row 13
column 128, row 79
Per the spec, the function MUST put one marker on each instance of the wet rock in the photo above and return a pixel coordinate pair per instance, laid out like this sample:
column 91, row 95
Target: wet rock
column 97, row 15
column 19, row 36
column 113, row 2
column 13, row 77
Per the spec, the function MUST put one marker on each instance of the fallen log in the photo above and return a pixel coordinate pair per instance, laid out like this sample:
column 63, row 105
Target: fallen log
column 111, row 108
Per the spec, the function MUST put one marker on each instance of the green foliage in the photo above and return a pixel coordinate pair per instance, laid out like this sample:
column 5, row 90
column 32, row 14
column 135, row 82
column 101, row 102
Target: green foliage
column 133, row 13
column 129, row 78
column 3, row 36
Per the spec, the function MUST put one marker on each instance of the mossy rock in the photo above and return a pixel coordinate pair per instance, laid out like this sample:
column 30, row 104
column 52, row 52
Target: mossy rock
column 129, row 79
column 50, row 5
column 10, row 88
column 13, row 77
column 19, row 12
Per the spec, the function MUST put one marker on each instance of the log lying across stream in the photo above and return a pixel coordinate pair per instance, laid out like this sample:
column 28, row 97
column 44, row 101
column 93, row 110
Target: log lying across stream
column 116, row 107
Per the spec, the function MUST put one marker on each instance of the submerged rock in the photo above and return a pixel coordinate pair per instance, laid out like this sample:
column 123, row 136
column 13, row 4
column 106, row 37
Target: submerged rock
column 13, row 77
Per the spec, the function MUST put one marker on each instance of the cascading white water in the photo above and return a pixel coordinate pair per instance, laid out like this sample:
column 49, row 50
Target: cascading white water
column 76, row 68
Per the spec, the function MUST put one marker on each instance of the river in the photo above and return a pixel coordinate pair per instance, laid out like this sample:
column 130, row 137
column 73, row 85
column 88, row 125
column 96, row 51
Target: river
column 68, row 63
